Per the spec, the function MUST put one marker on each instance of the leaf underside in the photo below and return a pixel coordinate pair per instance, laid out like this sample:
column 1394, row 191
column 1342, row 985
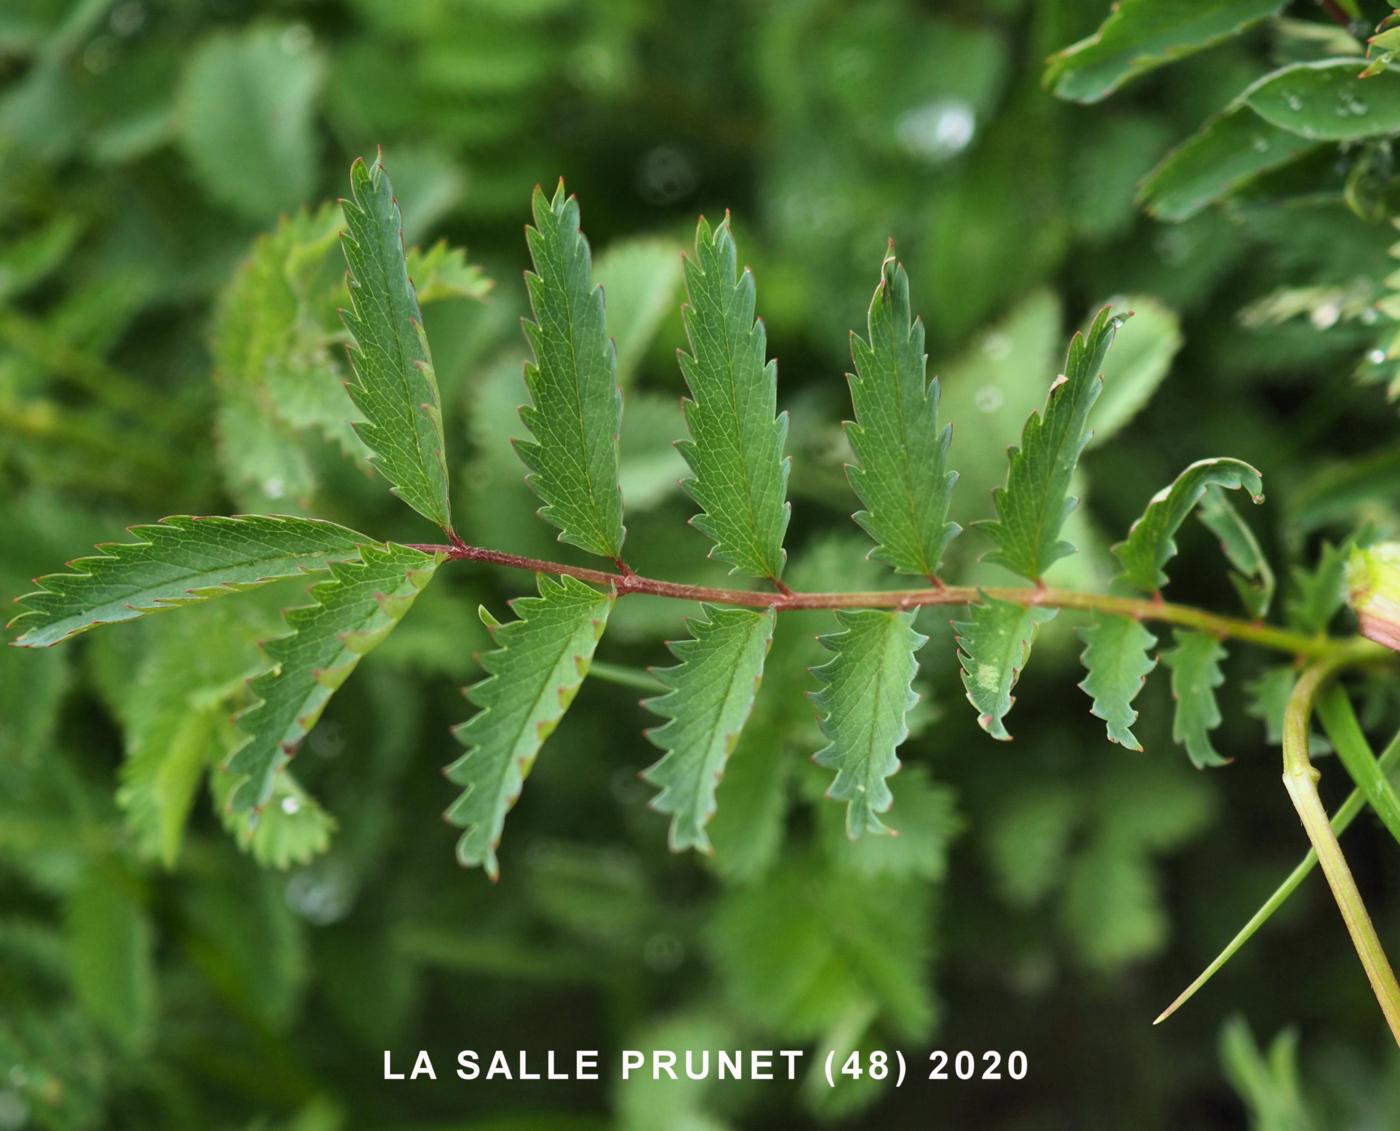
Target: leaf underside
column 1033, row 506
column 176, row 562
column 711, row 692
column 1150, row 545
column 1196, row 674
column 394, row 387
column 355, row 609
column 993, row 648
column 901, row 470
column 575, row 410
column 867, row 693
column 736, row 442
column 533, row 674
column 1116, row 657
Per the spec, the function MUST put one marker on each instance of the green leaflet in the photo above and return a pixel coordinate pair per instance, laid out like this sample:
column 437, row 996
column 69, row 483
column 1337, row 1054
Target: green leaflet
column 177, row 562
column 993, row 648
column 1320, row 592
column 292, row 828
column 1252, row 577
column 1141, row 35
column 1149, row 545
column 1035, row 502
column 1116, row 657
column 534, row 673
column 443, row 272
column 575, row 410
column 355, row 608
column 867, row 693
column 1328, row 100
column 901, row 470
column 640, row 277
column 1229, row 151
column 736, row 444
column 246, row 119
column 712, row 690
column 395, row 388
column 1195, row 668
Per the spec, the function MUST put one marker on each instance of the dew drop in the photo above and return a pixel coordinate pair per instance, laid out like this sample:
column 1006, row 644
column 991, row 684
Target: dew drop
column 936, row 130
column 297, row 39
column 1294, row 102
column 666, row 174
column 1376, row 357
column 291, row 806
column 1260, row 144
column 989, row 398
column 273, row 487
column 997, row 346
column 322, row 893
column 1326, row 316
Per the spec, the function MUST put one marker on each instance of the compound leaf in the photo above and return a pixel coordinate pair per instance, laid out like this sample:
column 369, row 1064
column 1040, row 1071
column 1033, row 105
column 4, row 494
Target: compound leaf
column 712, row 690
column 1150, row 545
column 394, row 386
column 1321, row 591
column 993, row 648
column 1252, row 577
column 867, row 693
column 736, row 444
column 1035, row 502
column 901, row 472
column 1195, row 668
column 176, row 562
column 1116, row 657
column 533, row 674
column 355, row 608
column 1141, row 35
column 575, row 410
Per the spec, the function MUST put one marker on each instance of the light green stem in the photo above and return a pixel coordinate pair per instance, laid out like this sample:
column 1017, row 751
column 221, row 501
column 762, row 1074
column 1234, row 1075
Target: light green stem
column 1300, row 779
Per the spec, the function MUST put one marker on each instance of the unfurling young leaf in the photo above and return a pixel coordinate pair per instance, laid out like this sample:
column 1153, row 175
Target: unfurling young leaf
column 533, row 674
column 901, row 470
column 1195, row 668
column 1149, row 545
column 736, row 442
column 1116, row 656
column 177, row 562
column 867, row 693
column 993, row 648
column 355, row 608
column 1035, row 502
column 1252, row 577
column 575, row 409
column 712, row 690
column 395, row 387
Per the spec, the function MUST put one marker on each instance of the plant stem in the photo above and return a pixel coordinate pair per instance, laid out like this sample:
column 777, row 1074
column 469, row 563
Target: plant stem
column 1300, row 779
column 1141, row 608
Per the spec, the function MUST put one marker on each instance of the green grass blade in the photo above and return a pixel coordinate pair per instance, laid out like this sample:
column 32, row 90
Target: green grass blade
column 1341, row 821
column 1342, row 727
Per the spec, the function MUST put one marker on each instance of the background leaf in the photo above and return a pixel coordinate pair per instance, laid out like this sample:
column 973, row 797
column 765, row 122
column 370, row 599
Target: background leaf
column 1196, row 674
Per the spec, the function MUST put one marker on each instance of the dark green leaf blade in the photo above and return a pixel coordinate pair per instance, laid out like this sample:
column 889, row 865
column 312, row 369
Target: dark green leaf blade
column 394, row 386
column 533, row 674
column 1116, row 657
column 993, row 648
column 355, row 608
column 736, row 440
column 1225, row 154
column 1141, row 35
column 901, row 470
column 867, row 693
column 1196, row 674
column 575, row 410
column 1328, row 100
column 1344, row 729
column 711, row 693
column 1033, row 506
column 1150, row 545
column 1253, row 576
column 176, row 562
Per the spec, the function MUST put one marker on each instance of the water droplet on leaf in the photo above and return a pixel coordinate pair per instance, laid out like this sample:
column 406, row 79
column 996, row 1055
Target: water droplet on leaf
column 937, row 130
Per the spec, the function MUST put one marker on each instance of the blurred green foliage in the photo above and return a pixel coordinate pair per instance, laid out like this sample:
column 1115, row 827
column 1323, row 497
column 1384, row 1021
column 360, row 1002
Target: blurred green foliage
column 164, row 161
